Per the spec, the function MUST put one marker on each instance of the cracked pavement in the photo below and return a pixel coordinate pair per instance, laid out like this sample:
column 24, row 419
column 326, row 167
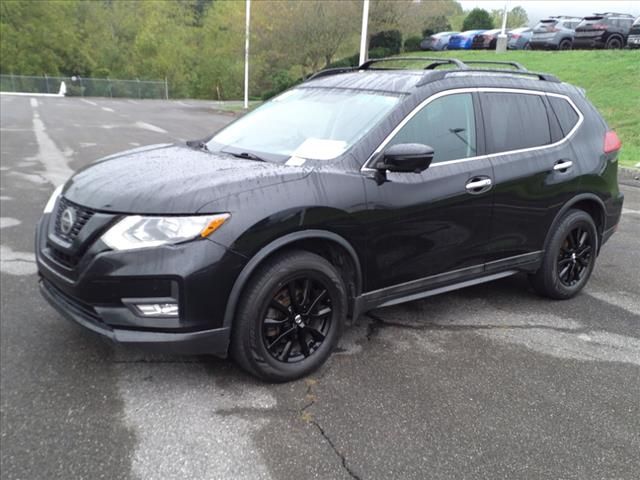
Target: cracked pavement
column 488, row 382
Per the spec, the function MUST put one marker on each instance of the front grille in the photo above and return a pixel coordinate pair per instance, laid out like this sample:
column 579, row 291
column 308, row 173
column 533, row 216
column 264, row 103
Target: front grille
column 82, row 216
column 69, row 261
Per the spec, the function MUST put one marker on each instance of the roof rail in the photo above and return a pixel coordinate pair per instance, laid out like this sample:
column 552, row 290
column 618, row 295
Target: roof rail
column 471, row 71
column 612, row 13
column 437, row 61
column 330, row 71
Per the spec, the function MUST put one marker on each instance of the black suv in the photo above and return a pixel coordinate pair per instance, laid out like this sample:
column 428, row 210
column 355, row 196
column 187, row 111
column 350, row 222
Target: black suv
column 357, row 189
column 603, row 30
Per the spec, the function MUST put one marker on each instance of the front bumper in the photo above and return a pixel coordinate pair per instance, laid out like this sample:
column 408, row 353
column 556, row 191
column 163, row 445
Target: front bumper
column 633, row 41
column 99, row 290
column 202, row 342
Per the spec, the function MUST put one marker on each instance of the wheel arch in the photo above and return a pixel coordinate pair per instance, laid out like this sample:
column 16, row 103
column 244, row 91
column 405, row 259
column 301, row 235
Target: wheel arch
column 323, row 242
column 587, row 202
column 615, row 35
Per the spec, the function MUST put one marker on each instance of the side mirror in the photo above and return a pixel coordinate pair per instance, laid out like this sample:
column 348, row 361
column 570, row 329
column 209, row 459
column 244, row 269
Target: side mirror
column 406, row 157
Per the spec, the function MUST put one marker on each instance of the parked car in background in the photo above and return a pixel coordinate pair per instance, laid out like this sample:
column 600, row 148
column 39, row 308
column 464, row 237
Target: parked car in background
column 437, row 42
column 555, row 33
column 486, row 40
column 603, row 30
column 633, row 41
column 463, row 41
column 519, row 38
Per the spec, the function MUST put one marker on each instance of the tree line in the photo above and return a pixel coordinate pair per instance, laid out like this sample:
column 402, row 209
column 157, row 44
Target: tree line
column 198, row 45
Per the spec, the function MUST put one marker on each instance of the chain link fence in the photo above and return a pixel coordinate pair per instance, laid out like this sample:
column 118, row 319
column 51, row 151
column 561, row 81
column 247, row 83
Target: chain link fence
column 77, row 86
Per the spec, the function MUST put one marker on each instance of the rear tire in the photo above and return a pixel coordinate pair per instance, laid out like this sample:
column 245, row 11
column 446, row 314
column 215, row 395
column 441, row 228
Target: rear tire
column 569, row 258
column 614, row 43
column 527, row 46
column 565, row 44
column 290, row 317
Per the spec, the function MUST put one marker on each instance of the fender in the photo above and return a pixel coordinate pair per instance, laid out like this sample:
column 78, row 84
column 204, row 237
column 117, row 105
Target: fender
column 267, row 250
column 567, row 206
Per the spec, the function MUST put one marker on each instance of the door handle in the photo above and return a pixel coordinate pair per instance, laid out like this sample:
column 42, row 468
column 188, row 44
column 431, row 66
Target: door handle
column 562, row 165
column 478, row 185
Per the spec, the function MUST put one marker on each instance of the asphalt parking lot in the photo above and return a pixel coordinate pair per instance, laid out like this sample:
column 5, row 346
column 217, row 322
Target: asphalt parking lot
column 488, row 382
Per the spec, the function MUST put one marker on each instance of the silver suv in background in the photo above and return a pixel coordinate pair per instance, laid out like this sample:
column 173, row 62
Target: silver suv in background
column 519, row 38
column 554, row 33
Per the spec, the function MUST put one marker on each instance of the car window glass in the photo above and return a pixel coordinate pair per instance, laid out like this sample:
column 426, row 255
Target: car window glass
column 447, row 124
column 334, row 119
column 514, row 121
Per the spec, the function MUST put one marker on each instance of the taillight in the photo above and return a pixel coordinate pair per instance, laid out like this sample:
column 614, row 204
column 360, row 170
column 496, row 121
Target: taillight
column 611, row 142
column 515, row 36
column 599, row 26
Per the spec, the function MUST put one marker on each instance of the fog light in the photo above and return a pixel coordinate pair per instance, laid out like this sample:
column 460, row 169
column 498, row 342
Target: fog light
column 158, row 309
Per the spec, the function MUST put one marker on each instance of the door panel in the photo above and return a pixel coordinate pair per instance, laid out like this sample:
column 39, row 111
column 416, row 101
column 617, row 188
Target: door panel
column 529, row 186
column 420, row 225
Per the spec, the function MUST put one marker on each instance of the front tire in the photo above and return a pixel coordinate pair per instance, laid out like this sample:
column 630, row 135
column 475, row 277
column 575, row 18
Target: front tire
column 290, row 317
column 569, row 258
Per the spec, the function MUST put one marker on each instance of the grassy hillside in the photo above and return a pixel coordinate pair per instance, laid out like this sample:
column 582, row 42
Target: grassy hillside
column 611, row 79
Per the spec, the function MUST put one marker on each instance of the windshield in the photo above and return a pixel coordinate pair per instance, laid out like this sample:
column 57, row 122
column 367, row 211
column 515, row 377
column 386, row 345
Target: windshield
column 309, row 123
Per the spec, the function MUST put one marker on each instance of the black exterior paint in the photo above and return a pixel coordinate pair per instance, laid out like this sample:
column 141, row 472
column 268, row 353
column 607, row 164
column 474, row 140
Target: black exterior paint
column 402, row 236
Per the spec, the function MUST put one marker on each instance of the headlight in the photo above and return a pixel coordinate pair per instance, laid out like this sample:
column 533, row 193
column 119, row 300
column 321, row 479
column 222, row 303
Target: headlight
column 140, row 232
column 48, row 208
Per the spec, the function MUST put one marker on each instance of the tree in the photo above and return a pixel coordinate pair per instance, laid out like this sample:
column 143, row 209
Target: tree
column 320, row 29
column 409, row 16
column 436, row 24
column 516, row 17
column 477, row 19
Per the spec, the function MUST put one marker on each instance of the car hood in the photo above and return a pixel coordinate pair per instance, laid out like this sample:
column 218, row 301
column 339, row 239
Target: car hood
column 170, row 179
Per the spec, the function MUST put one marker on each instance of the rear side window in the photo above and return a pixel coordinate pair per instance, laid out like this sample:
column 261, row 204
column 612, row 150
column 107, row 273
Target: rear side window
column 564, row 112
column 447, row 124
column 514, row 121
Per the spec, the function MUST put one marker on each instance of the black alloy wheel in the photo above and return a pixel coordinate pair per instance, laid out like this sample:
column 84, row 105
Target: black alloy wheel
column 575, row 256
column 290, row 316
column 297, row 319
column 569, row 256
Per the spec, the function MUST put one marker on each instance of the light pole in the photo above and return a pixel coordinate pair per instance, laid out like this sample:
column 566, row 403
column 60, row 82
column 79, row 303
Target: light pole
column 246, row 55
column 363, row 32
column 501, row 44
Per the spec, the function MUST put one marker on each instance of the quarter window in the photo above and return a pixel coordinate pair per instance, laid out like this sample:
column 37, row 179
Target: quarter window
column 514, row 121
column 566, row 115
column 447, row 124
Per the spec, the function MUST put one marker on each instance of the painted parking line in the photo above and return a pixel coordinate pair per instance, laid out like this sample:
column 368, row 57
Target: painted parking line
column 150, row 127
column 107, row 109
column 89, row 102
column 33, row 102
column 628, row 211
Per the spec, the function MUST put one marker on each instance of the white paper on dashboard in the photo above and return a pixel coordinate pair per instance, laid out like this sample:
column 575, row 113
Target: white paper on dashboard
column 320, row 149
column 295, row 161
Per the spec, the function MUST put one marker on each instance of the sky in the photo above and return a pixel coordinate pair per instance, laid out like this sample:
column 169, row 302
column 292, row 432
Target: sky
column 537, row 9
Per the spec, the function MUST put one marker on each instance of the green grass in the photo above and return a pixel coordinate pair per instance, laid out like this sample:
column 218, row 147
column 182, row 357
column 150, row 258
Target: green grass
column 611, row 79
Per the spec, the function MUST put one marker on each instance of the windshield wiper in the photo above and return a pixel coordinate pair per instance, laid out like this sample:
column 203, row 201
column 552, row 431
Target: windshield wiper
column 246, row 156
column 199, row 144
